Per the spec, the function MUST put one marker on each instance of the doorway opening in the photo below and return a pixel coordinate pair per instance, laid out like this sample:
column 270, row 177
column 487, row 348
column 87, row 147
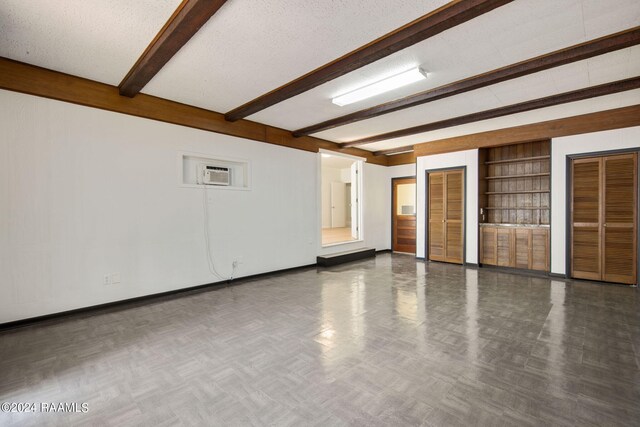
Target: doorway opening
column 341, row 195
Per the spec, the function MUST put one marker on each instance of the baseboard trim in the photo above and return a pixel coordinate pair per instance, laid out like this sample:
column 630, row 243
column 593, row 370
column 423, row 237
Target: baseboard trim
column 136, row 301
column 518, row 271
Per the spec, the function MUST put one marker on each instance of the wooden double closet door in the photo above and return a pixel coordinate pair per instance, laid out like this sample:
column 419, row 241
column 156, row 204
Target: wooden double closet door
column 604, row 218
column 446, row 215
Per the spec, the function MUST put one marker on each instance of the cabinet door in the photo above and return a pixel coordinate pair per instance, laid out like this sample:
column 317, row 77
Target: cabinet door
column 454, row 215
column 585, row 211
column 488, row 245
column 436, row 217
column 619, row 219
column 539, row 249
column 522, row 250
column 505, row 247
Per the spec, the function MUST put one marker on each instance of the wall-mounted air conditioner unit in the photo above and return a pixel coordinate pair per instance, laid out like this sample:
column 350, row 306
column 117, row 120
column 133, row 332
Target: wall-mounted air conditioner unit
column 216, row 175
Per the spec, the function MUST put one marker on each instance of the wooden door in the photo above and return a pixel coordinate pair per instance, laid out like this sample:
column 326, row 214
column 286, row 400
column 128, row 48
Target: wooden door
column 404, row 215
column 604, row 218
column 454, row 216
column 446, row 216
column 436, row 216
column 585, row 233
column 619, row 219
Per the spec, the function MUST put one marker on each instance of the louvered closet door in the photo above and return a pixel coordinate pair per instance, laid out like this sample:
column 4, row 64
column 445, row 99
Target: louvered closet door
column 585, row 234
column 436, row 216
column 619, row 219
column 454, row 215
column 446, row 216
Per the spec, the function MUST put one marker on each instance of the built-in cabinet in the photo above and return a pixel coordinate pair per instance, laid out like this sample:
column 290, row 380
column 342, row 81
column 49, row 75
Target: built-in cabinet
column 604, row 218
column 517, row 247
column 446, row 215
column 514, row 202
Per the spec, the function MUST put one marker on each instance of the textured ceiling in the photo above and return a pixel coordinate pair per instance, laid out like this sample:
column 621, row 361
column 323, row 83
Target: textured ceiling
column 96, row 39
column 251, row 47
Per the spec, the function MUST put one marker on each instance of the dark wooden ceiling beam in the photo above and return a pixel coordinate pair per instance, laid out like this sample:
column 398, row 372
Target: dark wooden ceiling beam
column 548, row 101
column 600, row 46
column 394, row 151
column 188, row 18
column 448, row 16
column 29, row 79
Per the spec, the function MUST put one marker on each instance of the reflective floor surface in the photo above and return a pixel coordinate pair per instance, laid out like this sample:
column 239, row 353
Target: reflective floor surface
column 390, row 341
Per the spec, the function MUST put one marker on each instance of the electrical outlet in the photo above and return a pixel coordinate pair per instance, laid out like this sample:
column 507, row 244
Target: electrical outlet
column 107, row 280
column 115, row 278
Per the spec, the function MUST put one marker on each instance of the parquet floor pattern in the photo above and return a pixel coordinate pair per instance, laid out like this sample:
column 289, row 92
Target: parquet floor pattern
column 387, row 341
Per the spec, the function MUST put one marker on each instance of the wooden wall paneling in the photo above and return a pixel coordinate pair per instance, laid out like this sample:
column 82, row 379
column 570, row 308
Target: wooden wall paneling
column 619, row 190
column 586, row 219
column 399, row 159
column 592, row 122
column 29, row 79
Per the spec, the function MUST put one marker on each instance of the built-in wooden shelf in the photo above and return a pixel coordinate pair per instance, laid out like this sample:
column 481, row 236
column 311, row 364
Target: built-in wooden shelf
column 528, row 175
column 521, row 159
column 517, row 208
column 514, row 194
column 488, row 193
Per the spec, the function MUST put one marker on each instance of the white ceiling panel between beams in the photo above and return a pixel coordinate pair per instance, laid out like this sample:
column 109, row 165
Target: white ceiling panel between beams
column 608, row 102
column 509, row 34
column 545, row 83
column 252, row 47
column 95, row 39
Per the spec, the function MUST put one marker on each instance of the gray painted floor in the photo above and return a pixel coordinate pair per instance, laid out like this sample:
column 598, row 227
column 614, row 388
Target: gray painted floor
column 389, row 341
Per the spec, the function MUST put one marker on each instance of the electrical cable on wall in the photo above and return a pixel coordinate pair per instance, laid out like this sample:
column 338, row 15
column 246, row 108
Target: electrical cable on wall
column 212, row 267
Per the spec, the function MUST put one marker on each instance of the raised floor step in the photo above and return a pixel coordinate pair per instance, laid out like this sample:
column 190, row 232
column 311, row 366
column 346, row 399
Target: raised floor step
column 347, row 256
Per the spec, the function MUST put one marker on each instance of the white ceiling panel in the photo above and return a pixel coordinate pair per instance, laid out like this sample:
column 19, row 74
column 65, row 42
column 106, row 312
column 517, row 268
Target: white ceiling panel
column 512, row 33
column 251, row 47
column 571, row 77
column 608, row 102
column 96, row 39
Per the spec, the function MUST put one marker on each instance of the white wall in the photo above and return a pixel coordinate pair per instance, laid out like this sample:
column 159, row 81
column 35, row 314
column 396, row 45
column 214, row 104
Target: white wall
column 469, row 159
column 560, row 149
column 86, row 192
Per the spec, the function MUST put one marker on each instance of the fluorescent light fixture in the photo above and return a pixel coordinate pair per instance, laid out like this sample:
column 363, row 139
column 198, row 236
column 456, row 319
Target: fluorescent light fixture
column 381, row 86
column 325, row 155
